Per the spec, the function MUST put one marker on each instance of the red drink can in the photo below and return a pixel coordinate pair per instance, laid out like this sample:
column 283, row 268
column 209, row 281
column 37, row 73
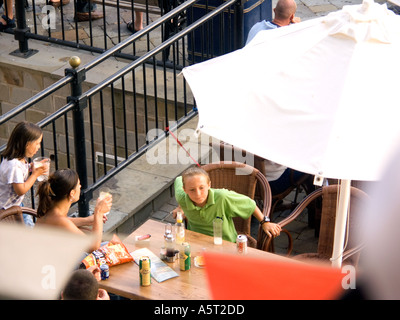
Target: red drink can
column 241, row 244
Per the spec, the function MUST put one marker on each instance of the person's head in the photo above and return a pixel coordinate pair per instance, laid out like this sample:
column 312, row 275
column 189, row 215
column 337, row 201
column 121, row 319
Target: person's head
column 60, row 186
column 196, row 183
column 285, row 11
column 81, row 286
column 24, row 141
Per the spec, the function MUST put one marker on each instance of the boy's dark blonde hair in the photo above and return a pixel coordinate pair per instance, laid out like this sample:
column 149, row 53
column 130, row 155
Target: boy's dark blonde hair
column 194, row 171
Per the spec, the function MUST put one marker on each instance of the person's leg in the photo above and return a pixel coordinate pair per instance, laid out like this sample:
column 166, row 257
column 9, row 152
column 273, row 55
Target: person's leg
column 138, row 20
column 7, row 19
column 281, row 184
column 288, row 178
column 137, row 24
column 86, row 11
column 58, row 3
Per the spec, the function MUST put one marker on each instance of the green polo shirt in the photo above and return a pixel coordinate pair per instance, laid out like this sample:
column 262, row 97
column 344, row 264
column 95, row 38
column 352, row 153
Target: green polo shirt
column 220, row 203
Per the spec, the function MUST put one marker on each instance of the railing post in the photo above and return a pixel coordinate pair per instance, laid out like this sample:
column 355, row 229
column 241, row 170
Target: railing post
column 79, row 131
column 239, row 24
column 21, row 31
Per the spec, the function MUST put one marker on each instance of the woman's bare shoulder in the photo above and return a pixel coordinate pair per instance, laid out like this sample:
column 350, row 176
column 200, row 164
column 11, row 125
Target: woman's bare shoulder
column 59, row 221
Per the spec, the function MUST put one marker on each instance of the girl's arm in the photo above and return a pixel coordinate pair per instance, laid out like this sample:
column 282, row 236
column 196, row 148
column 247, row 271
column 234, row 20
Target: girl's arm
column 22, row 188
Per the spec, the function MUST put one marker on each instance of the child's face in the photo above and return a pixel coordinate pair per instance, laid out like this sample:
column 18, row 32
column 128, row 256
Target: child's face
column 32, row 147
column 196, row 187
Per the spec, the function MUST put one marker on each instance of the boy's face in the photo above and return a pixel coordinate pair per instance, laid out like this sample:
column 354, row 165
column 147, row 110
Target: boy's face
column 196, row 187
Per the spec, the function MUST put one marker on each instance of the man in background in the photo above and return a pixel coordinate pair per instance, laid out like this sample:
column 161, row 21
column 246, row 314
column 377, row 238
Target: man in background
column 284, row 14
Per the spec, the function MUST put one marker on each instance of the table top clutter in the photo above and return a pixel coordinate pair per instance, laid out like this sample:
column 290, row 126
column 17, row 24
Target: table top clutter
column 191, row 284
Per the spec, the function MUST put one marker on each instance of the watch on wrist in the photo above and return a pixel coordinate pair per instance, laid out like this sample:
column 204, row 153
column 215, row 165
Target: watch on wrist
column 266, row 219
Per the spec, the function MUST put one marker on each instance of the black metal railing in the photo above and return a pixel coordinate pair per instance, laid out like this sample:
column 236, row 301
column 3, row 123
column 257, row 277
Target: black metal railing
column 103, row 129
column 59, row 26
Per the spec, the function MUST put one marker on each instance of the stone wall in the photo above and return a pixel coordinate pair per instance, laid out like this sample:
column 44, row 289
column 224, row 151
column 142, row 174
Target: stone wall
column 20, row 81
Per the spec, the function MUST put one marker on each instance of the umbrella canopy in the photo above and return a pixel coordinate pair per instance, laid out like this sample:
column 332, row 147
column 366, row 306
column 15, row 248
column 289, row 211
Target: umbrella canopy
column 318, row 96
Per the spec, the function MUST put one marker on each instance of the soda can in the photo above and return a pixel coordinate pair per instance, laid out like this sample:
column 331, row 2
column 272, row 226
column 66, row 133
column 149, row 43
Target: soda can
column 241, row 244
column 144, row 271
column 104, row 271
column 184, row 256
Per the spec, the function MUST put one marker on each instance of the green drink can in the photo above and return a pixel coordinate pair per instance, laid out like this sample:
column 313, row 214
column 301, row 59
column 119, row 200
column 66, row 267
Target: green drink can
column 144, row 271
column 184, row 256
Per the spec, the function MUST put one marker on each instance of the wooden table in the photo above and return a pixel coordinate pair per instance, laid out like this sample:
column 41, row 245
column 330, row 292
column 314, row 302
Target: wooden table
column 189, row 285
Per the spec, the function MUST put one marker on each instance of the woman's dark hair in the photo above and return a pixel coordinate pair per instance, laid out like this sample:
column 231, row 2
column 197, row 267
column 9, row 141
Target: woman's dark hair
column 56, row 188
column 23, row 133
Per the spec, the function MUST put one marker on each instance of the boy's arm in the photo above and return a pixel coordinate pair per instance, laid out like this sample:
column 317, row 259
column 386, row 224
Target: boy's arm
column 271, row 229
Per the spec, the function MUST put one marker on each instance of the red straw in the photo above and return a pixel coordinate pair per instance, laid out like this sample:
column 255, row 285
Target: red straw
column 167, row 129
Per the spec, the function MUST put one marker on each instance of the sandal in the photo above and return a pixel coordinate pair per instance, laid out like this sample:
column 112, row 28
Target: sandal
column 10, row 23
column 131, row 27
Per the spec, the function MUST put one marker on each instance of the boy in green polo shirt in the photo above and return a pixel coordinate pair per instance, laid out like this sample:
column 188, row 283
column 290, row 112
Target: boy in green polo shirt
column 201, row 204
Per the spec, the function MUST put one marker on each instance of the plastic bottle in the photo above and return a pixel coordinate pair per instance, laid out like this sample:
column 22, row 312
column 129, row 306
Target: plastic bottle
column 179, row 229
column 170, row 246
column 167, row 240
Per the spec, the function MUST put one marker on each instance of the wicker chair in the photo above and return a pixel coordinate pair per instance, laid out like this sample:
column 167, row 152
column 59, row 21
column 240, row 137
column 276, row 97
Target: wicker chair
column 329, row 195
column 224, row 175
column 14, row 214
column 231, row 153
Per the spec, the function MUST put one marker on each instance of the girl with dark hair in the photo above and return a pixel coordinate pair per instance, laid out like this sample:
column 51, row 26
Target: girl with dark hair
column 58, row 193
column 15, row 180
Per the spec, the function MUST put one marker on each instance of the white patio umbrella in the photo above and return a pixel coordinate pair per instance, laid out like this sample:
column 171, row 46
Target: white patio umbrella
column 319, row 96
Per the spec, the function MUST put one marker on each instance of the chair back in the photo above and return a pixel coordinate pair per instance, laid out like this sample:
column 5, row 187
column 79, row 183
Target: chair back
column 228, row 152
column 14, row 214
column 328, row 217
column 329, row 195
column 243, row 179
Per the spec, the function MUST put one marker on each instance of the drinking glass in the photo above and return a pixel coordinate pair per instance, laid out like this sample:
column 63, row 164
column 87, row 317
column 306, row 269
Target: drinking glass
column 104, row 193
column 217, row 227
column 40, row 162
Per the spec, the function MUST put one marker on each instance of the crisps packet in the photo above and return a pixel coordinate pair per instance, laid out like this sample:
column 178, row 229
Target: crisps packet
column 113, row 253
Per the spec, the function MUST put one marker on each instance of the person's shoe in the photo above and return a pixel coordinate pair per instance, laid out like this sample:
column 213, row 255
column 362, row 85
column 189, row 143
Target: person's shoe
column 131, row 27
column 84, row 16
column 58, row 3
column 10, row 23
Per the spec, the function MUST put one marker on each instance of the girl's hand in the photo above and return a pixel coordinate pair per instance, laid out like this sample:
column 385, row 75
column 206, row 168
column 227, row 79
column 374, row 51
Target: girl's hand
column 39, row 170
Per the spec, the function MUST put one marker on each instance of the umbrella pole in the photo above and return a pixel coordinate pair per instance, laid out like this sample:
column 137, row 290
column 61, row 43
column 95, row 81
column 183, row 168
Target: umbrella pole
column 340, row 223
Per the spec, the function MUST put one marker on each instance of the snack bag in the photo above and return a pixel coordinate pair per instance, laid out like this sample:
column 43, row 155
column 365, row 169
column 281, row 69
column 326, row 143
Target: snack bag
column 113, row 253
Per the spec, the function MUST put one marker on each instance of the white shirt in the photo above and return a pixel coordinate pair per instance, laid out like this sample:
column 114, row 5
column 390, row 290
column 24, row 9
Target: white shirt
column 11, row 171
column 273, row 170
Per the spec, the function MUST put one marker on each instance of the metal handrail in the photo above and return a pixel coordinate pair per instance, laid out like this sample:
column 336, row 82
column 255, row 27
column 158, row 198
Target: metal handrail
column 157, row 49
column 35, row 99
column 78, row 101
column 139, row 34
